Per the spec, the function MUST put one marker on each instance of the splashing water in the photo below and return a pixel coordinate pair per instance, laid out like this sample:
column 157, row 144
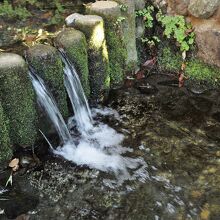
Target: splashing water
column 47, row 102
column 76, row 94
column 98, row 146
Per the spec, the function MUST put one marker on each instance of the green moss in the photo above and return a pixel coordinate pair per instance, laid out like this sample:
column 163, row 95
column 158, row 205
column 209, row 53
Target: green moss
column 17, row 97
column 46, row 61
column 169, row 61
column 5, row 148
column 74, row 43
column 117, row 52
column 195, row 68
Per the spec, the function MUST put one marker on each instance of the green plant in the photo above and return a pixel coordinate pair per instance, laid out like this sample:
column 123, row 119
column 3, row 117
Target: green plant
column 6, row 10
column 123, row 8
column 119, row 20
column 146, row 13
column 176, row 27
column 152, row 41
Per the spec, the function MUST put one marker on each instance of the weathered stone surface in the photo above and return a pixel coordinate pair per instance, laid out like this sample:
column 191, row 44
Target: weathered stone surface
column 139, row 4
column 93, row 28
column 203, row 8
column 111, row 13
column 17, row 97
column 5, row 148
column 179, row 7
column 129, row 31
column 75, row 46
column 48, row 65
column 208, row 42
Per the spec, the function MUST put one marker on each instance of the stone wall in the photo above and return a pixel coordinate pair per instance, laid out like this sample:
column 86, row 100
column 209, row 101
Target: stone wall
column 205, row 18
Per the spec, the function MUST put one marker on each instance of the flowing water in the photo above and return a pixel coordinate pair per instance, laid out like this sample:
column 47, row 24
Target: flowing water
column 47, row 102
column 76, row 94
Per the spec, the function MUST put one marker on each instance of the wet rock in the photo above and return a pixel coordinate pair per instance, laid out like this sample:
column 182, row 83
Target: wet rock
column 17, row 97
column 139, row 4
column 93, row 28
column 48, row 65
column 208, row 42
column 111, row 13
column 203, row 8
column 5, row 148
column 75, row 46
column 7, row 36
column 179, row 7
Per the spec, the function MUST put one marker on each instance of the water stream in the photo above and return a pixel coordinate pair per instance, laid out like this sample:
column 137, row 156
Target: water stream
column 47, row 102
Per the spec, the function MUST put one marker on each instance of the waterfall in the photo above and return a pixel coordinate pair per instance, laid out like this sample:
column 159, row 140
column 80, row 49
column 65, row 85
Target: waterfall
column 47, row 102
column 77, row 96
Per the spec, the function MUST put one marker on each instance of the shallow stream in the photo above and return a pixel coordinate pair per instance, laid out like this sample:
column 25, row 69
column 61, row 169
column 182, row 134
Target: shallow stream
column 176, row 131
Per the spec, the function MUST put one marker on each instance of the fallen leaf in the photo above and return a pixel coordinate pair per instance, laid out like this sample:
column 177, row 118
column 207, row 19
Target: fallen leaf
column 181, row 80
column 150, row 63
column 14, row 163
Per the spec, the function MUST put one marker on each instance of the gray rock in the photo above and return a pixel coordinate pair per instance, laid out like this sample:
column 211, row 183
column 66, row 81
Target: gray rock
column 203, row 8
column 139, row 4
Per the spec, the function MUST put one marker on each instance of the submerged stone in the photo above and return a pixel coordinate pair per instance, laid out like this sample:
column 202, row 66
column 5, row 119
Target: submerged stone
column 93, row 28
column 111, row 13
column 17, row 99
column 74, row 44
column 5, row 149
column 48, row 65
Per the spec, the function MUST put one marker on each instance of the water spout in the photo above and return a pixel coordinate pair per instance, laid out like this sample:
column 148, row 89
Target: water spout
column 47, row 102
column 76, row 94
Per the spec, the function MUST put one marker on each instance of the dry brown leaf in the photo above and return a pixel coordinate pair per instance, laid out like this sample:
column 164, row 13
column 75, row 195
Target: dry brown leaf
column 14, row 163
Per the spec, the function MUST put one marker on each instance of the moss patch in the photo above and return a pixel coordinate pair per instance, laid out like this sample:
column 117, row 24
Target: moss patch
column 195, row 68
column 5, row 149
column 117, row 52
column 74, row 43
column 47, row 63
column 17, row 99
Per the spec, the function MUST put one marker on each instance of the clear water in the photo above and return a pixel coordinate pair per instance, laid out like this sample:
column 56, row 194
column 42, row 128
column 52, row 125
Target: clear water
column 76, row 94
column 47, row 102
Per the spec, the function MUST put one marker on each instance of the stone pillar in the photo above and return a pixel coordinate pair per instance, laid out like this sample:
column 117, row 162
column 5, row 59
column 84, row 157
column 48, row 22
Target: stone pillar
column 75, row 46
column 5, row 148
column 48, row 65
column 17, row 98
column 111, row 13
column 93, row 28
column 129, row 31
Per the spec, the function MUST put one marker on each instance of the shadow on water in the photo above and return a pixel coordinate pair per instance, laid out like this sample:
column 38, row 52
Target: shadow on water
column 175, row 130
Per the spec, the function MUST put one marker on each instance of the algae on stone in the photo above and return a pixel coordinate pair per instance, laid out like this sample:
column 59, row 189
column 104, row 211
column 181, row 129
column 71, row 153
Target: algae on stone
column 195, row 68
column 74, row 44
column 111, row 13
column 5, row 147
column 48, row 65
column 93, row 28
column 129, row 31
column 17, row 98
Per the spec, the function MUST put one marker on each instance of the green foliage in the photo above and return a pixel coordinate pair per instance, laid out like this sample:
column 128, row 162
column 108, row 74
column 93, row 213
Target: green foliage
column 176, row 27
column 146, row 13
column 123, row 8
column 152, row 41
column 6, row 10
column 119, row 20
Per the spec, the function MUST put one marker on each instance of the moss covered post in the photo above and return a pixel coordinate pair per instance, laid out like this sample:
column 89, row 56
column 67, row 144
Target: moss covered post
column 46, row 61
column 129, row 30
column 17, row 98
column 111, row 13
column 75, row 46
column 5, row 148
column 93, row 28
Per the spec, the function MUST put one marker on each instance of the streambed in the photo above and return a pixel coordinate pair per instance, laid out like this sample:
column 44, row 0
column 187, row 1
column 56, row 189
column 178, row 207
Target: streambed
column 176, row 132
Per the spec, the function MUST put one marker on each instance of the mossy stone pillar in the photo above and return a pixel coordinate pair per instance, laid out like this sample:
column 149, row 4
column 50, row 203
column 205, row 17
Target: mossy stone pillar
column 5, row 148
column 129, row 30
column 93, row 28
column 111, row 13
column 46, row 61
column 17, row 98
column 75, row 46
